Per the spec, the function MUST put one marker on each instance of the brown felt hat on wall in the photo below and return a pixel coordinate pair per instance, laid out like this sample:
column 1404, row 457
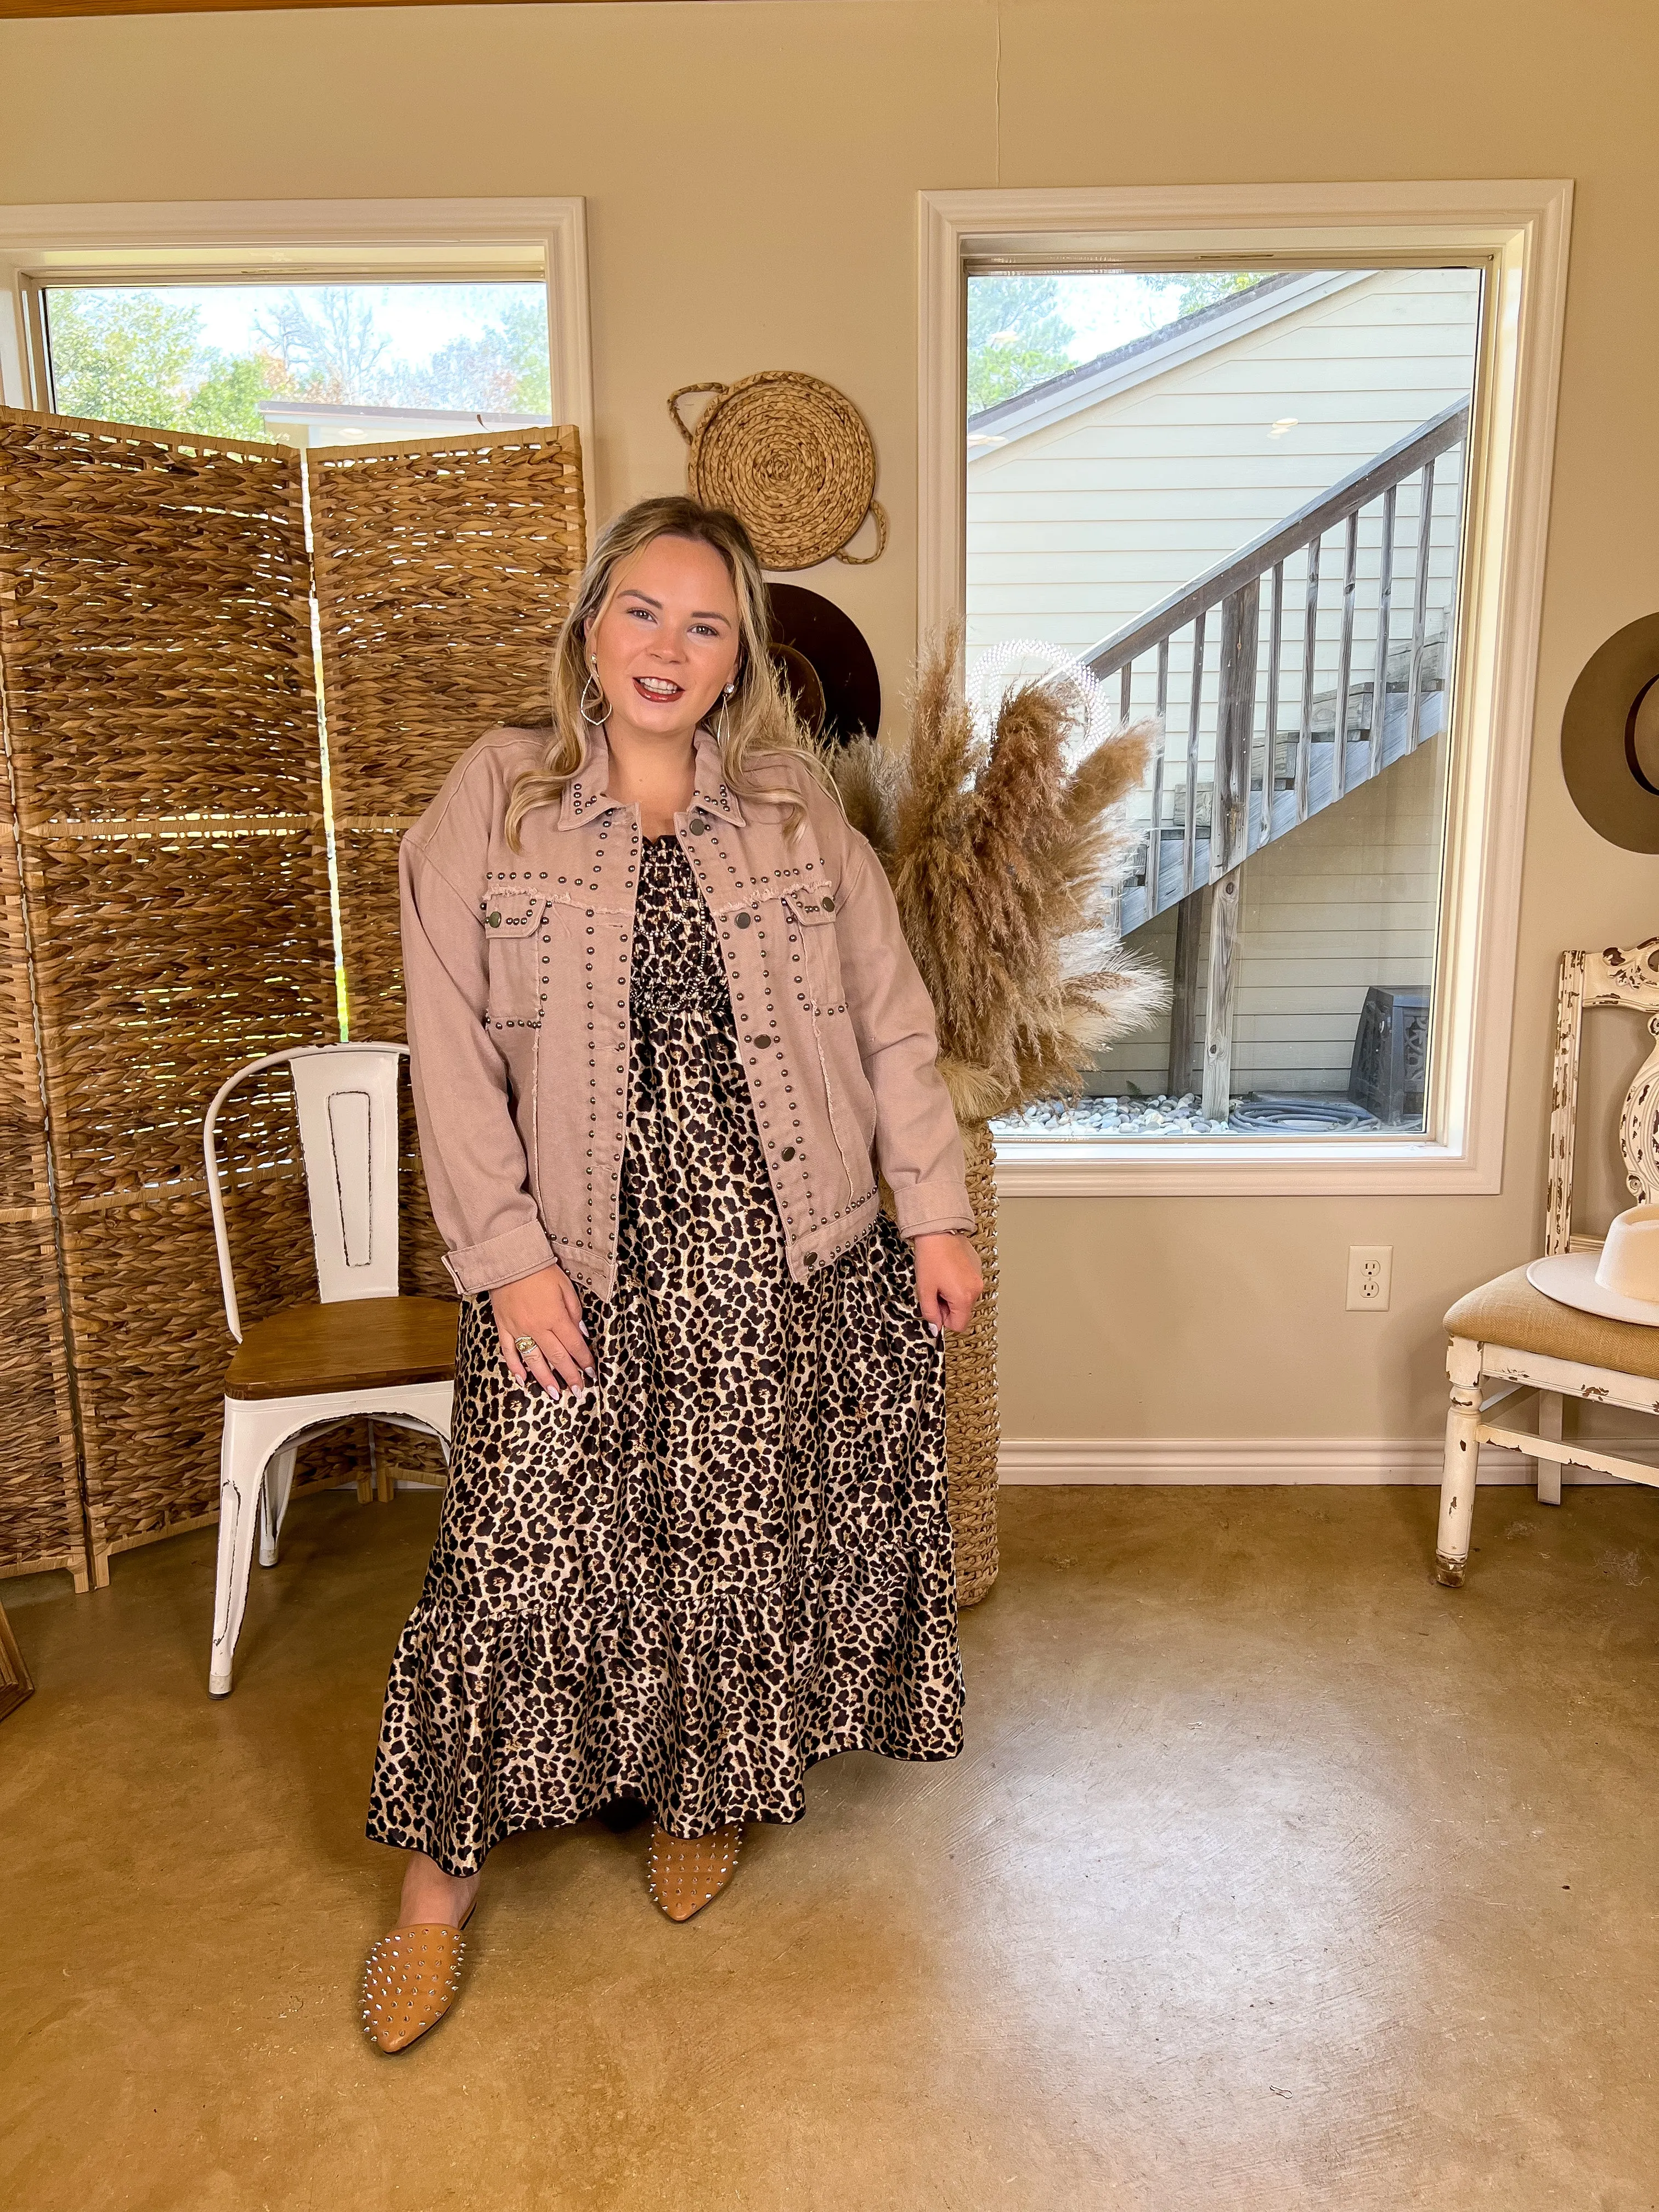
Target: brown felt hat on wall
column 1610, row 737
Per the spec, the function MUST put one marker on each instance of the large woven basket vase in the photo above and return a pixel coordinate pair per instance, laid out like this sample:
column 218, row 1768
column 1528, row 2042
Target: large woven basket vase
column 970, row 1392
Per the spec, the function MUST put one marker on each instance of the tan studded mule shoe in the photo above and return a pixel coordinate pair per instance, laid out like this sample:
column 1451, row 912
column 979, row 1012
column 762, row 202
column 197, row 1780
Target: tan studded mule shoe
column 409, row 1981
column 684, row 1877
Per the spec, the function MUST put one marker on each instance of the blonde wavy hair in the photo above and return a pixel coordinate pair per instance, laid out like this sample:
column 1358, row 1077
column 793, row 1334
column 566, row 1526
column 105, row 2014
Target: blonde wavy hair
column 757, row 722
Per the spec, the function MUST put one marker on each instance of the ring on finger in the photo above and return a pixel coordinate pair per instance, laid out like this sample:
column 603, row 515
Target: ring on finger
column 524, row 1345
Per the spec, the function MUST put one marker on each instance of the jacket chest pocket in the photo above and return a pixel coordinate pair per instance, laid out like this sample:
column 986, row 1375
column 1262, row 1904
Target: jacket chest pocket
column 810, row 932
column 518, row 936
column 809, row 922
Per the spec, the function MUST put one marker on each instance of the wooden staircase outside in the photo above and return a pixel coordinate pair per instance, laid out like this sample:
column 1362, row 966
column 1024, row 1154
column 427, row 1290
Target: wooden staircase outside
column 1239, row 775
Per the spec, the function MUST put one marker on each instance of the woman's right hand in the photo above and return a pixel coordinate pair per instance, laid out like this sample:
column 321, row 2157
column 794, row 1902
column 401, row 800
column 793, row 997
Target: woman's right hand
column 545, row 1305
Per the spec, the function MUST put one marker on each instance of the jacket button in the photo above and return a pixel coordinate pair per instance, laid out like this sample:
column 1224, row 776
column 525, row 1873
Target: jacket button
column 763, row 1042
column 788, row 1153
column 829, row 905
column 697, row 824
column 494, row 921
column 743, row 921
column 812, row 1259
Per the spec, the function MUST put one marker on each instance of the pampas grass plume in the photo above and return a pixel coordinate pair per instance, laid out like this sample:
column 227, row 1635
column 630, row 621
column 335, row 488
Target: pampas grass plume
column 1003, row 862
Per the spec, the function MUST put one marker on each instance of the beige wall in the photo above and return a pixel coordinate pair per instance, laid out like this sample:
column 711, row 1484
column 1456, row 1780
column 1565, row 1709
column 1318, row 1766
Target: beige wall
column 750, row 173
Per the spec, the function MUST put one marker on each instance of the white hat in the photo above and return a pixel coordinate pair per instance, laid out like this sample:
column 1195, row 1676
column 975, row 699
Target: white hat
column 1621, row 1282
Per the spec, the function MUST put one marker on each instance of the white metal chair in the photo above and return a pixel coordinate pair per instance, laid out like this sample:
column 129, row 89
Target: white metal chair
column 1512, row 1335
column 361, row 1349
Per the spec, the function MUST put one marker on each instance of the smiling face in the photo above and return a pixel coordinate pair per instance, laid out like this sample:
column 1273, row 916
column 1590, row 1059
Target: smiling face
column 665, row 644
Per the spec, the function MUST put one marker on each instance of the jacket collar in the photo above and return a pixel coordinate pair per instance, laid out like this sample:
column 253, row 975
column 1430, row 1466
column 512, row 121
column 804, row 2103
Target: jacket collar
column 588, row 792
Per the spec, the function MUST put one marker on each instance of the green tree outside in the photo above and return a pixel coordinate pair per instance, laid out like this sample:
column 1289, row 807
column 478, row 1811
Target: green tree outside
column 1018, row 336
column 123, row 358
column 226, row 403
column 523, row 328
column 1204, row 287
column 137, row 356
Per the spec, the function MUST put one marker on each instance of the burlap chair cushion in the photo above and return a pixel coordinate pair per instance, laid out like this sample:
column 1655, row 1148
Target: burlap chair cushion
column 1509, row 1311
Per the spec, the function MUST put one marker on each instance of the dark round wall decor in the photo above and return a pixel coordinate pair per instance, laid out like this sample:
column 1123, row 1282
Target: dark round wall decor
column 826, row 664
column 1610, row 737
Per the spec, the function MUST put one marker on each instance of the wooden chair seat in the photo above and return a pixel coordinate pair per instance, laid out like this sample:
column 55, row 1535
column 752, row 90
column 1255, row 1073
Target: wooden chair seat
column 355, row 1344
column 1510, row 1312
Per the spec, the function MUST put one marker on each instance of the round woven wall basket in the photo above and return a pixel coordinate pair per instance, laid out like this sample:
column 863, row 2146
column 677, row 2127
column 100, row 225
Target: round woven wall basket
column 791, row 457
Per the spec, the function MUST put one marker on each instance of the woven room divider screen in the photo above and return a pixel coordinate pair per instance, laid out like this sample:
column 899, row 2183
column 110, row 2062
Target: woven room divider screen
column 444, row 567
column 164, row 900
column 41, row 1520
column 156, row 661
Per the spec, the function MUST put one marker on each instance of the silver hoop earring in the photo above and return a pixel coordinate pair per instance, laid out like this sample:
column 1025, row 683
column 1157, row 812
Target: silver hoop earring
column 594, row 721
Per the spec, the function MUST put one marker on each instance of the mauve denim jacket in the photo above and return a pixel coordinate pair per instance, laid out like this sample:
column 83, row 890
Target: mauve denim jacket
column 517, row 969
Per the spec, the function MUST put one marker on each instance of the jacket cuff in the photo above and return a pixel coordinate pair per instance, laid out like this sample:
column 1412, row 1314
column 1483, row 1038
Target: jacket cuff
column 522, row 1251
column 923, row 1207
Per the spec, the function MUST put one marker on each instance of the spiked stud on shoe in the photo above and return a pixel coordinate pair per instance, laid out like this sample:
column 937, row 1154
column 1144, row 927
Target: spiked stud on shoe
column 409, row 1983
column 685, row 1875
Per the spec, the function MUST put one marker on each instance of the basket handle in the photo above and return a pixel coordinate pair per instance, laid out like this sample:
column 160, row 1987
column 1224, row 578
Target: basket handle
column 863, row 560
column 674, row 399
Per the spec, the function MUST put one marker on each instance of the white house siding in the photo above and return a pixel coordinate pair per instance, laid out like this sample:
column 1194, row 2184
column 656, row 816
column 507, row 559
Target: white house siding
column 1349, row 900
column 1141, row 1063
column 1076, row 528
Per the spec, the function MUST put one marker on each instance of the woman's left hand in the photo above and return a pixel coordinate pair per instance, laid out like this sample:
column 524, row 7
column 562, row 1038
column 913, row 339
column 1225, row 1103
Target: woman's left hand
column 949, row 1280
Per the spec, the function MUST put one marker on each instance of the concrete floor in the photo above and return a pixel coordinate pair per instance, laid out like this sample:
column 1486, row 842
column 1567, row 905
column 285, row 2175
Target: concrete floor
column 1273, row 1875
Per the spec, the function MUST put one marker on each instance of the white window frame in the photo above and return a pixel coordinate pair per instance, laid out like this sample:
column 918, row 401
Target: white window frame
column 302, row 242
column 1517, row 233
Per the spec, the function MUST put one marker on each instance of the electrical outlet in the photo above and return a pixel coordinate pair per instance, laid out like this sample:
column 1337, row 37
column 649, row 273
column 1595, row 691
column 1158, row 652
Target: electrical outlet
column 1370, row 1275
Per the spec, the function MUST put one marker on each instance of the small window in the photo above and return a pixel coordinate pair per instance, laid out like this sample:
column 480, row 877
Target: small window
column 1237, row 497
column 302, row 365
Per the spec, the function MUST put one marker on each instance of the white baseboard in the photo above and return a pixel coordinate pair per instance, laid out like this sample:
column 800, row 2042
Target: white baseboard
column 1226, row 1459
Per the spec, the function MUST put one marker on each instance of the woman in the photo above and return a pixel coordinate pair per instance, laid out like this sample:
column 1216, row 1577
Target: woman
column 663, row 1029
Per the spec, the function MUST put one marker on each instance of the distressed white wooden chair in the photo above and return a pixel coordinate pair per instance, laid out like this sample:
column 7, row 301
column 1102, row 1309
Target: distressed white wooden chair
column 1508, row 1334
column 360, row 1349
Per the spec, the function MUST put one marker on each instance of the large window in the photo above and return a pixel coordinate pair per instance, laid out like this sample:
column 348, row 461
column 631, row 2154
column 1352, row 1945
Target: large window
column 302, row 322
column 1237, row 497
column 1273, row 461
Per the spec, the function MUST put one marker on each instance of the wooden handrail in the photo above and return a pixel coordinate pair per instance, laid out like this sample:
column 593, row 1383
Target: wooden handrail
column 1245, row 809
column 1309, row 523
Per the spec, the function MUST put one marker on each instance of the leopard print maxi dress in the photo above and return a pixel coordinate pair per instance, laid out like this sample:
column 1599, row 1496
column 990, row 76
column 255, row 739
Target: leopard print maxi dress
column 726, row 1558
